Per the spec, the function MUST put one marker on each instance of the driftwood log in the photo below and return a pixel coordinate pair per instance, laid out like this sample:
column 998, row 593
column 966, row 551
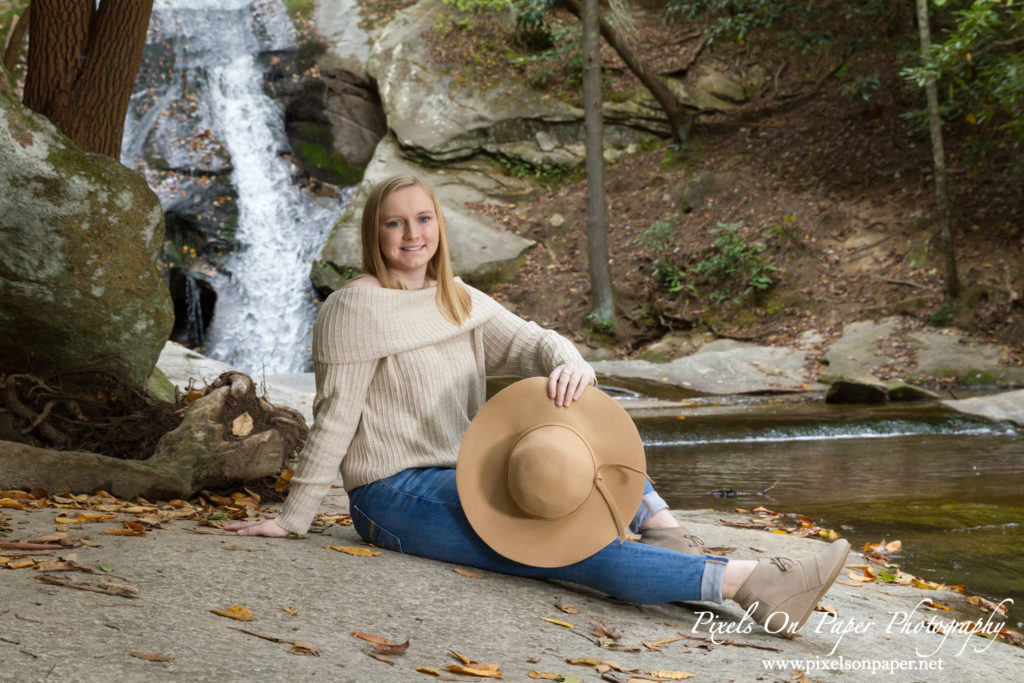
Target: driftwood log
column 228, row 435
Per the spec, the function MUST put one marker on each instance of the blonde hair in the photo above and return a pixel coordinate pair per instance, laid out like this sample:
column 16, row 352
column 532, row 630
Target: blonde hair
column 453, row 300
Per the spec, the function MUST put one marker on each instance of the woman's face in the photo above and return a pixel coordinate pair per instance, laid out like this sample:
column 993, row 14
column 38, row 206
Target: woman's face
column 408, row 234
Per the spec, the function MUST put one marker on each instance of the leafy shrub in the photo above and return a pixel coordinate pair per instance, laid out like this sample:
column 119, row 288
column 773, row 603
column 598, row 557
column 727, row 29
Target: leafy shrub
column 734, row 268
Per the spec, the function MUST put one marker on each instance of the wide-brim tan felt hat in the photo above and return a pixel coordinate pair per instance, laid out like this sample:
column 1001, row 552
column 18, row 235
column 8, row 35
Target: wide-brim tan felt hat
column 547, row 485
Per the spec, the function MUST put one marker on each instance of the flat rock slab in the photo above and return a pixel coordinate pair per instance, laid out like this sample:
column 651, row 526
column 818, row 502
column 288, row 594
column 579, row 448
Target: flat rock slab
column 1008, row 405
column 864, row 348
column 60, row 633
column 725, row 367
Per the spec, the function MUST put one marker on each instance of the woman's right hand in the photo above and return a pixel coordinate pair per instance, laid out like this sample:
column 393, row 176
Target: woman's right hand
column 267, row 527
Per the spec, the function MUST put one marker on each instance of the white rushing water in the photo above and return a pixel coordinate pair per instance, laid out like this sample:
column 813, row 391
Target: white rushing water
column 265, row 306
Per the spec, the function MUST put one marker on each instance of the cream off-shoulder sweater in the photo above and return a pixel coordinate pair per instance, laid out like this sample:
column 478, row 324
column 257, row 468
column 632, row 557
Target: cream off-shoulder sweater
column 397, row 384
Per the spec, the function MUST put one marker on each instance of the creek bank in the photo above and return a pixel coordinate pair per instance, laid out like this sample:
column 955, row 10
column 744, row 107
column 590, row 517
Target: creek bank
column 62, row 633
column 297, row 390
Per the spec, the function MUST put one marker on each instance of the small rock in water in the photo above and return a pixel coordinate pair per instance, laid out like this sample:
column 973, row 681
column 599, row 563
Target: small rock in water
column 856, row 391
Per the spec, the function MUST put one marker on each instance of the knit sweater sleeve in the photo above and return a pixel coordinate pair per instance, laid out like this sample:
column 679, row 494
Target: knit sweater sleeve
column 513, row 346
column 340, row 396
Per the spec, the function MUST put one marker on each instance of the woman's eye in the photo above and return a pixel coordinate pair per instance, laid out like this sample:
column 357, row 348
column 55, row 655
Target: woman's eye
column 394, row 224
column 425, row 219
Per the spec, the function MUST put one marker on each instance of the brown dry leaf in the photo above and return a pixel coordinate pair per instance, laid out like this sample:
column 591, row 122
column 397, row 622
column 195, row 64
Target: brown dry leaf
column 376, row 640
column 392, row 649
column 568, row 609
column 1008, row 635
column 152, row 656
column 191, row 395
column 85, row 517
column 606, row 630
column 558, row 622
column 20, row 564
column 378, row 656
column 60, row 564
column 585, row 661
column 22, row 495
column 11, row 504
column 429, row 670
column 666, row 641
column 719, row 550
column 826, row 608
column 55, row 537
column 242, row 425
column 671, row 675
column 303, row 649
column 483, row 673
column 359, row 552
column 123, row 532
column 546, row 676
column 289, row 610
column 986, row 605
column 122, row 590
column 472, row 663
column 236, row 612
column 466, row 572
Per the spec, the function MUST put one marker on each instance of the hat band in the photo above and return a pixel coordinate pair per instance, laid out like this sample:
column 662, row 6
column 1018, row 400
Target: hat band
column 609, row 500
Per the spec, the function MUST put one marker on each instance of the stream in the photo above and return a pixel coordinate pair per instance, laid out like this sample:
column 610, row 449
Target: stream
column 947, row 485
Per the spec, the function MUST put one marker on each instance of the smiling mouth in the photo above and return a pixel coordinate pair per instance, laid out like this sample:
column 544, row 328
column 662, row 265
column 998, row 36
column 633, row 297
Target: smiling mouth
column 422, row 246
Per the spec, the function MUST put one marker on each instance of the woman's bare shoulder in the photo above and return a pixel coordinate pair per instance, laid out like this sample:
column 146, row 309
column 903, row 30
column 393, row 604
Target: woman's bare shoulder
column 362, row 281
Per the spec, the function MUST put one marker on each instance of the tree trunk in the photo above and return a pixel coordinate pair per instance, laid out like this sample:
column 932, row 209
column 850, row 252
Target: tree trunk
column 603, row 314
column 14, row 39
column 678, row 119
column 938, row 158
column 81, row 67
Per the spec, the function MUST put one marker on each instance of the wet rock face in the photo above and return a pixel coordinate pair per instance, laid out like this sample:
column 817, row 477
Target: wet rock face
column 81, row 235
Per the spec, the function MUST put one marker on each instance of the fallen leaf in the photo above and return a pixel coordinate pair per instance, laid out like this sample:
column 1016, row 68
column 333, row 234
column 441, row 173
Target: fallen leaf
column 359, row 552
column 242, row 425
column 935, row 605
column 546, row 676
column 303, row 649
column 558, row 622
column 392, row 648
column 429, row 670
column 122, row 590
column 585, row 661
column 152, row 656
column 283, row 480
column 666, row 641
column 826, row 608
column 483, row 673
column 568, row 609
column 20, row 564
column 671, row 675
column 11, row 504
column 236, row 612
column 986, row 605
column 123, row 532
column 289, row 610
column 60, row 564
column 466, row 572
column 376, row 640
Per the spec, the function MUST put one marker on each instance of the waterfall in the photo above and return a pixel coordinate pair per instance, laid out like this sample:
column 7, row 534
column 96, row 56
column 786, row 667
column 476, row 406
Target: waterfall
column 265, row 302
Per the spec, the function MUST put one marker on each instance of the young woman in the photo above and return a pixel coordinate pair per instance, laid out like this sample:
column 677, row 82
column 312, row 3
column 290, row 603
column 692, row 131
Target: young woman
column 401, row 354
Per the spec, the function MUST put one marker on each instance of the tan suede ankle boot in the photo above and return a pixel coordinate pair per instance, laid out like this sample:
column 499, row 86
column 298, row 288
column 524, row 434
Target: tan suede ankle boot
column 781, row 593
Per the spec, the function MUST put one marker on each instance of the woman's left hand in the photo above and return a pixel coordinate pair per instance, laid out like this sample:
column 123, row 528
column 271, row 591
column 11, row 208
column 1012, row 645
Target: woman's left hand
column 567, row 382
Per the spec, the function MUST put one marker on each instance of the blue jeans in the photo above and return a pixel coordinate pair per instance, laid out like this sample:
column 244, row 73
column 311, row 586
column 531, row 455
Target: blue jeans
column 417, row 511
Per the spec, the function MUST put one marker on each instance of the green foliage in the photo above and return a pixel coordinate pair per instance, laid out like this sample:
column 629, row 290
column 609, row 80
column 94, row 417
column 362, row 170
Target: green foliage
column 601, row 325
column 479, row 6
column 734, row 268
column 532, row 29
column 561, row 63
column 979, row 67
column 660, row 237
column 863, row 87
column 547, row 173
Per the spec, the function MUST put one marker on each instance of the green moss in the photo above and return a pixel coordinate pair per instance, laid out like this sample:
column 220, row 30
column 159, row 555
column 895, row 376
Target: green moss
column 300, row 9
column 327, row 165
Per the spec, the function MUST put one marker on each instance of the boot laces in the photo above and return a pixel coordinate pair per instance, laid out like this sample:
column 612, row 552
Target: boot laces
column 783, row 563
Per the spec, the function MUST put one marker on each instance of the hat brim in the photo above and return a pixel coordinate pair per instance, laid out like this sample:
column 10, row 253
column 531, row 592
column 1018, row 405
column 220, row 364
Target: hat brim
column 482, row 480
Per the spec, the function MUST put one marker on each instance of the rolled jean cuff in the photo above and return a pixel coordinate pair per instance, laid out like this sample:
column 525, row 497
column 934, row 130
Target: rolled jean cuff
column 650, row 505
column 711, row 580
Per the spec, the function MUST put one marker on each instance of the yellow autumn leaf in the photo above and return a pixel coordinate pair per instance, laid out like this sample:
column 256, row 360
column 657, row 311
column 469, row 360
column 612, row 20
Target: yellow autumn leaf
column 242, row 425
column 545, row 676
column 20, row 564
column 568, row 609
column 557, row 622
column 358, row 552
column 483, row 673
column 971, row 118
column 922, row 583
column 585, row 661
column 670, row 675
column 236, row 612
column 11, row 504
column 291, row 611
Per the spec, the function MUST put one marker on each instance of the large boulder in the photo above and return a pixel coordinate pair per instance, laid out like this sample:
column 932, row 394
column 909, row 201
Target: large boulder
column 80, row 234
column 437, row 117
